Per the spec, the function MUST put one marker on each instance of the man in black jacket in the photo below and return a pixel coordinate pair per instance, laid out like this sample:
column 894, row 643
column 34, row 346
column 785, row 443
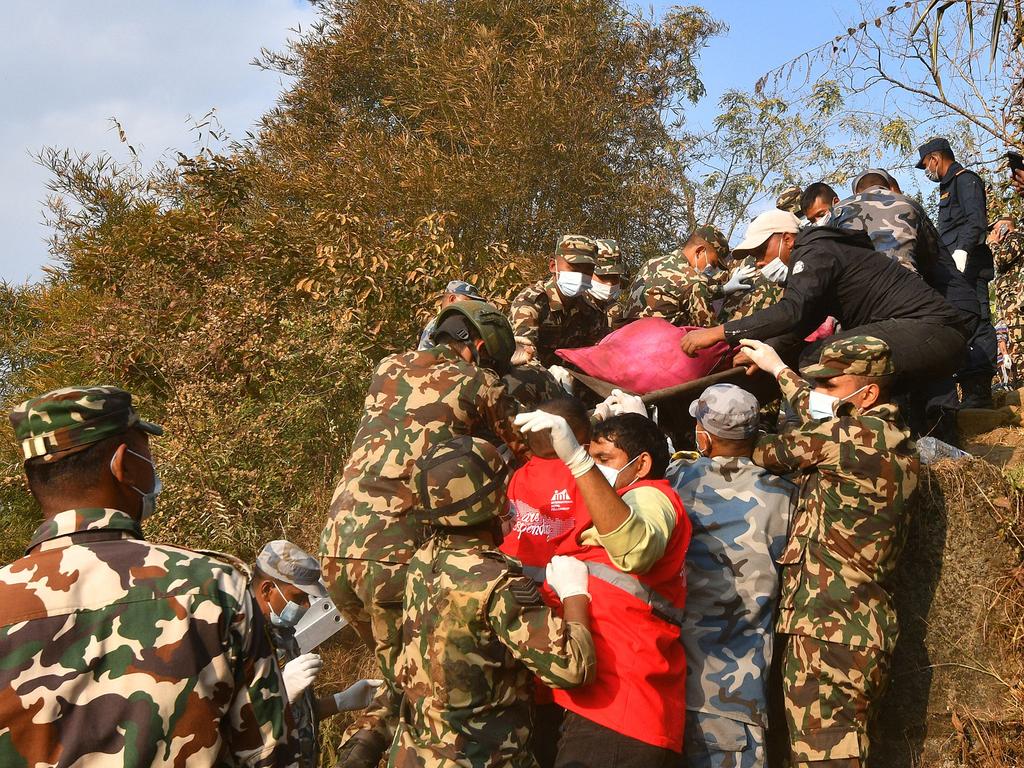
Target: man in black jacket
column 962, row 225
column 838, row 273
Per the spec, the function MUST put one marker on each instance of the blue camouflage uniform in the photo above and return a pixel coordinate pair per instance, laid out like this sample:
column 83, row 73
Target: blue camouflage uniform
column 740, row 514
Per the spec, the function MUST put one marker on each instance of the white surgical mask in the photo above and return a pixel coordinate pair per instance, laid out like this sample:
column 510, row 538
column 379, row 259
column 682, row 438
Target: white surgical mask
column 611, row 474
column 290, row 614
column 572, row 283
column 776, row 271
column 823, row 406
column 148, row 499
column 824, row 219
column 696, row 441
column 932, row 174
column 604, row 291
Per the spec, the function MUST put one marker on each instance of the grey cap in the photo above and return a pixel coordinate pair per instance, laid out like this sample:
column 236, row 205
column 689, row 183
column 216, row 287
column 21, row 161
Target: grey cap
column 463, row 288
column 726, row 411
column 876, row 171
column 283, row 561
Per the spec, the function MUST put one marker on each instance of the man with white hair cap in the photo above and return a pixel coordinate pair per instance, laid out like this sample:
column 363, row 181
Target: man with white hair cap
column 739, row 514
column 838, row 273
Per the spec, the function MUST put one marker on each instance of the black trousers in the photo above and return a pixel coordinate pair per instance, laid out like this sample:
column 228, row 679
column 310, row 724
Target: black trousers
column 585, row 744
column 982, row 346
column 921, row 350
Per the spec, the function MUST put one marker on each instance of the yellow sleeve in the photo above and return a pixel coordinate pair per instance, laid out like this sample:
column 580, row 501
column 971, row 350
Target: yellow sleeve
column 637, row 544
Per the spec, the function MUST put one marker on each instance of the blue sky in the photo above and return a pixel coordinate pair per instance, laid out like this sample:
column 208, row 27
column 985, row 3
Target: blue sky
column 73, row 65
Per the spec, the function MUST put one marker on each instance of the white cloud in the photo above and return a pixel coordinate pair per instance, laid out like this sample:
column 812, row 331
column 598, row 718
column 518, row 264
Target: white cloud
column 70, row 66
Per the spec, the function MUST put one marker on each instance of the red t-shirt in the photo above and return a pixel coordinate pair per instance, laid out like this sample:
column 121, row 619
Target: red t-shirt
column 543, row 500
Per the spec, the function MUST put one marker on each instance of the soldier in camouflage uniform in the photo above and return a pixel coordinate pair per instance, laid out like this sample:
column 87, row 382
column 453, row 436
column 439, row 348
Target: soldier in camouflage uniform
column 415, row 400
column 1008, row 254
column 554, row 313
column 531, row 384
column 606, row 288
column 857, row 467
column 116, row 650
column 285, row 581
column 740, row 514
column 761, row 293
column 476, row 630
column 680, row 286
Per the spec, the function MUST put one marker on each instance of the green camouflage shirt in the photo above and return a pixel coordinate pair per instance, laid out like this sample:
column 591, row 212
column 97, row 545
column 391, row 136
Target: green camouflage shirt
column 475, row 633
column 1009, row 282
column 416, row 400
column 763, row 293
column 857, row 472
column 116, row 650
column 542, row 318
column 667, row 286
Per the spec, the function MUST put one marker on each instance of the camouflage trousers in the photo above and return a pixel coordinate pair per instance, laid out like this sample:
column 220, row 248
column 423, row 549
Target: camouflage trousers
column 830, row 691
column 369, row 594
column 713, row 741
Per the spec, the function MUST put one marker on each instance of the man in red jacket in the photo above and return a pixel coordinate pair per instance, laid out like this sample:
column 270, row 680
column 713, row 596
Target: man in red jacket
column 634, row 542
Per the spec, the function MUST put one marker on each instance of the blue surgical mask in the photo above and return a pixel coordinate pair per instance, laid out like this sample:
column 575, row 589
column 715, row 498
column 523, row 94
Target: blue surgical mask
column 571, row 283
column 611, row 474
column 290, row 615
column 148, row 499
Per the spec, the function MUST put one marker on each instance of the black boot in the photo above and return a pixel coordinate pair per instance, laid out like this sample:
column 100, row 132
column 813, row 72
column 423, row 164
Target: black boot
column 363, row 750
column 977, row 391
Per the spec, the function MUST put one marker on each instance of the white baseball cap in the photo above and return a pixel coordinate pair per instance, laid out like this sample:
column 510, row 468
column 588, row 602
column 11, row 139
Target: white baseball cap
column 765, row 225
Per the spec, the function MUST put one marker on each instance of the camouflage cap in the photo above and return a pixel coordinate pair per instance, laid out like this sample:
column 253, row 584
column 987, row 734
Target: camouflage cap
column 855, row 356
column 726, row 411
column 69, row 420
column 789, row 200
column 283, row 561
column 608, row 260
column 462, row 482
column 577, row 249
column 715, row 238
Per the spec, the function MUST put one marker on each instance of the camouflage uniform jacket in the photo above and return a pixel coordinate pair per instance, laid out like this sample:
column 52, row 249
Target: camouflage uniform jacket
column 530, row 385
column 476, row 631
column 667, row 286
column 541, row 317
column 1009, row 282
column 304, row 711
column 116, row 650
column 857, row 472
column 763, row 293
column 740, row 514
column 890, row 220
column 416, row 400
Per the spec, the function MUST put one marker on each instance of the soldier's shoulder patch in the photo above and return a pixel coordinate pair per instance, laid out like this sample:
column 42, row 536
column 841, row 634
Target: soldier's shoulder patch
column 798, row 268
column 524, row 591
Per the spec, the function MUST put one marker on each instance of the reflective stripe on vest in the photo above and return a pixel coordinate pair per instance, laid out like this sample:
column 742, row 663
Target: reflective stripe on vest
column 661, row 606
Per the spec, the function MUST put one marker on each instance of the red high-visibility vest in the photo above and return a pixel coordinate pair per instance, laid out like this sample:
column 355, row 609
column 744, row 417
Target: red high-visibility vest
column 640, row 686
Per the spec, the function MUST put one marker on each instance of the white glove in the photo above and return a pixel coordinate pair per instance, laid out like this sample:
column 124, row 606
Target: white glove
column 763, row 356
column 623, row 402
column 562, row 376
column 960, row 259
column 563, row 440
column 524, row 353
column 299, row 674
column 736, row 280
column 357, row 696
column 568, row 577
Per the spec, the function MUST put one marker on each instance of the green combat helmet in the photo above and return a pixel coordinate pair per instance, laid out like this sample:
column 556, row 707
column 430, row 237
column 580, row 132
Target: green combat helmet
column 492, row 326
column 461, row 483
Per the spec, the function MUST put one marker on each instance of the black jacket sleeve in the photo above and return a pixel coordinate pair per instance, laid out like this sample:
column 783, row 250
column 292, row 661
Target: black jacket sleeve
column 970, row 192
column 812, row 271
